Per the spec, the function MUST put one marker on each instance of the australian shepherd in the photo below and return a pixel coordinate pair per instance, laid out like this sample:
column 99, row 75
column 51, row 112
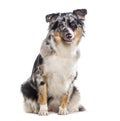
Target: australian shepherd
column 51, row 84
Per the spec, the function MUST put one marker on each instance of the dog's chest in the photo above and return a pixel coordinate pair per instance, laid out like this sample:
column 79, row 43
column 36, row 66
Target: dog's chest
column 59, row 71
column 59, row 65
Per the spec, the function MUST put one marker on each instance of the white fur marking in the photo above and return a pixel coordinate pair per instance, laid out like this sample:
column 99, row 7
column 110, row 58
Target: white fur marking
column 63, row 111
column 43, row 110
column 31, row 106
column 43, row 107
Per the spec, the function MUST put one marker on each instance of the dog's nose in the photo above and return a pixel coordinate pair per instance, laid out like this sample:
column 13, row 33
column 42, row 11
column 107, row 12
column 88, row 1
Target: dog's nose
column 68, row 36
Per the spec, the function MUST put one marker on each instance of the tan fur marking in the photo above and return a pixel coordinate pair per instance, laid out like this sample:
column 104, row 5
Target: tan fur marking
column 42, row 99
column 43, row 96
column 42, row 67
column 78, row 34
column 57, row 37
column 64, row 101
column 45, row 77
column 43, row 73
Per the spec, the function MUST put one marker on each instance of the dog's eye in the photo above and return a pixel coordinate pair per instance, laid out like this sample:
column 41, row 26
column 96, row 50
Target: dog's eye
column 73, row 25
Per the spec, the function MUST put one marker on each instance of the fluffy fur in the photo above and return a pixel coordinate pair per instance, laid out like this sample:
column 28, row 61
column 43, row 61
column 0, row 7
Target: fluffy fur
column 56, row 67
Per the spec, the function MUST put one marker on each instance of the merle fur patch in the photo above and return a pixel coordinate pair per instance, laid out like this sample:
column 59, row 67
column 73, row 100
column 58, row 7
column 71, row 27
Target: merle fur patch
column 72, row 19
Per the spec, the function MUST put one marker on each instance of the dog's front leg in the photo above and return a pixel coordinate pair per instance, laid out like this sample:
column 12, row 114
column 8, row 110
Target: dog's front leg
column 66, row 97
column 64, row 102
column 63, row 105
column 42, row 100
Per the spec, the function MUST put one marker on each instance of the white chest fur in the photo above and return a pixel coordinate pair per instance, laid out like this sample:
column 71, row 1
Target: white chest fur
column 60, row 72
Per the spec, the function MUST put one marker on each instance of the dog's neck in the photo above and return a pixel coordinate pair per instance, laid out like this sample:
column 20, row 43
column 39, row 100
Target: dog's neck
column 66, row 51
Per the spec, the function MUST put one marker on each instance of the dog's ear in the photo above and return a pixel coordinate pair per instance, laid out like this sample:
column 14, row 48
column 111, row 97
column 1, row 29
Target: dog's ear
column 80, row 13
column 51, row 17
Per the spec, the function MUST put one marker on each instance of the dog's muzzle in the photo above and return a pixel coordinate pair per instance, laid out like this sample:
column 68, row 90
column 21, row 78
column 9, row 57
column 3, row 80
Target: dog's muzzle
column 68, row 38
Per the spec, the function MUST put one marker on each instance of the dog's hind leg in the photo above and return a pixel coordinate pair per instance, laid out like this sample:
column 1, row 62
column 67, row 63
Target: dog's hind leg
column 74, row 102
column 31, row 106
column 30, row 97
column 71, row 102
column 63, row 106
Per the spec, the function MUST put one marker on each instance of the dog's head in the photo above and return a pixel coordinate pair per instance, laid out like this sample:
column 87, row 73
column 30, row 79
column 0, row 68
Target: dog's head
column 67, row 27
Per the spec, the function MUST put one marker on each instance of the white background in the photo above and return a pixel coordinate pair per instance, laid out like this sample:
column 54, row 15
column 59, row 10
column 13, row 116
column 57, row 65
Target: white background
column 23, row 28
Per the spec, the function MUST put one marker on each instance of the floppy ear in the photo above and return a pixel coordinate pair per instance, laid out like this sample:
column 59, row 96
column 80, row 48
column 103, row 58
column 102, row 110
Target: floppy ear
column 80, row 13
column 51, row 17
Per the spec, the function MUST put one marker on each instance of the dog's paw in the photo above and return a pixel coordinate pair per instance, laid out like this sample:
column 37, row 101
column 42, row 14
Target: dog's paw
column 62, row 111
column 43, row 112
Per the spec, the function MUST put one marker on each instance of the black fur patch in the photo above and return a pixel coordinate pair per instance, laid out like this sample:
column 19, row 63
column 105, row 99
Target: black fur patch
column 54, row 26
column 63, row 14
column 81, row 108
column 51, row 17
column 28, row 91
column 49, row 99
column 73, row 92
column 37, row 63
column 73, row 25
column 82, row 12
column 42, row 83
column 47, row 43
column 76, row 76
column 63, row 19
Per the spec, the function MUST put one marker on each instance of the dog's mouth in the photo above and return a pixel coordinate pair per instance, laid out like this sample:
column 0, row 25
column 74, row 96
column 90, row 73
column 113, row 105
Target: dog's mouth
column 68, row 39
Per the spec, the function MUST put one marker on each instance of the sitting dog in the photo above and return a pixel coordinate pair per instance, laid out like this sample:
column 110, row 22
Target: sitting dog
column 51, row 85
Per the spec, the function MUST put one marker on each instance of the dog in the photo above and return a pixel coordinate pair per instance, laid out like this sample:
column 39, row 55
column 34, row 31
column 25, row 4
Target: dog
column 51, row 84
